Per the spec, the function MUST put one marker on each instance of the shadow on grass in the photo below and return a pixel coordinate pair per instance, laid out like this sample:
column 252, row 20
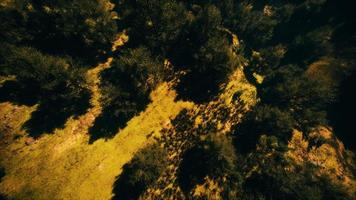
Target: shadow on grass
column 113, row 118
column 2, row 173
column 142, row 171
column 193, row 169
column 21, row 94
column 122, row 100
column 53, row 109
column 198, row 87
column 342, row 113
column 124, row 189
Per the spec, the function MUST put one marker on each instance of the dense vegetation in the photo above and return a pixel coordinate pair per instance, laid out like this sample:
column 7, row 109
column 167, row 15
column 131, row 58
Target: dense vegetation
column 48, row 47
column 281, row 46
column 143, row 170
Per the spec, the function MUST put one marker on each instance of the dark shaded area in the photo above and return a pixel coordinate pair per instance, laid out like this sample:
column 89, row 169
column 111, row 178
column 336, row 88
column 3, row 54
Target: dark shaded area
column 142, row 171
column 21, row 94
column 193, row 168
column 126, row 88
column 342, row 113
column 214, row 157
column 187, row 34
column 2, row 197
column 281, row 185
column 198, row 87
column 53, row 110
column 122, row 189
column 54, row 113
column 82, row 29
column 263, row 120
column 115, row 117
column 2, row 172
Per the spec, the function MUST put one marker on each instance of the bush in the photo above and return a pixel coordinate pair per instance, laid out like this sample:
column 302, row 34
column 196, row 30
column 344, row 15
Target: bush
column 213, row 157
column 263, row 120
column 52, row 76
column 289, row 89
column 81, row 28
column 206, row 57
column 126, row 87
column 56, row 83
column 143, row 170
column 278, row 183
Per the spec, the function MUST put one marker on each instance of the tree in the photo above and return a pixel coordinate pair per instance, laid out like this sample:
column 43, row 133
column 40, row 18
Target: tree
column 289, row 89
column 51, row 76
column 206, row 56
column 263, row 120
column 162, row 21
column 253, row 25
column 142, row 171
column 56, row 83
column 82, row 29
column 126, row 87
column 212, row 157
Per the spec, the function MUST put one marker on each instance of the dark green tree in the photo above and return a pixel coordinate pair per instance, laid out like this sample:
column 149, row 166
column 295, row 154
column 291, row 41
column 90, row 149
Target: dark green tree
column 142, row 171
column 126, row 87
column 56, row 83
column 81, row 29
column 263, row 120
column 213, row 157
column 289, row 89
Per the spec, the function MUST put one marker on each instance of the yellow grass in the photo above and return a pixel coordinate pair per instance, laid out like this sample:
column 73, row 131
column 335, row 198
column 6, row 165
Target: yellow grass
column 62, row 165
column 328, row 158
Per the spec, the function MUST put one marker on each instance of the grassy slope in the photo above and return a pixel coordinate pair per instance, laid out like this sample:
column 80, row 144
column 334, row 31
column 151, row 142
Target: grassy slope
column 62, row 165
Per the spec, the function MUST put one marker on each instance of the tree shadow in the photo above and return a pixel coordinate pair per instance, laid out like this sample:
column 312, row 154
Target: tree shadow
column 142, row 171
column 199, row 87
column 124, row 190
column 341, row 114
column 192, row 169
column 112, row 119
column 53, row 109
column 2, row 173
column 53, row 114
column 122, row 101
column 21, row 94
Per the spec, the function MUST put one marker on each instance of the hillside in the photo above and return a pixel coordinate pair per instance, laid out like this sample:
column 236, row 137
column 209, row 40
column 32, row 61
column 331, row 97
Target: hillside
column 177, row 99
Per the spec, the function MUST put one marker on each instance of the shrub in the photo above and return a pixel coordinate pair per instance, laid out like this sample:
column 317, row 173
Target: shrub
column 263, row 120
column 213, row 157
column 126, row 87
column 143, row 170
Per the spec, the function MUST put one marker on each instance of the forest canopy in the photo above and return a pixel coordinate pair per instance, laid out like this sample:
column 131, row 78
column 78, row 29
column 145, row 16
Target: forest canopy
column 297, row 55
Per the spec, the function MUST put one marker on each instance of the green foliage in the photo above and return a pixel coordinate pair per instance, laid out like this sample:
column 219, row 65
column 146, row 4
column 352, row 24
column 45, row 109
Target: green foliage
column 55, row 83
column 207, row 57
column 253, row 25
column 81, row 28
column 306, row 99
column 136, row 71
column 143, row 170
column 263, row 120
column 161, row 21
column 126, row 87
column 274, row 182
column 191, row 39
column 213, row 157
column 48, row 74
column 277, row 177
